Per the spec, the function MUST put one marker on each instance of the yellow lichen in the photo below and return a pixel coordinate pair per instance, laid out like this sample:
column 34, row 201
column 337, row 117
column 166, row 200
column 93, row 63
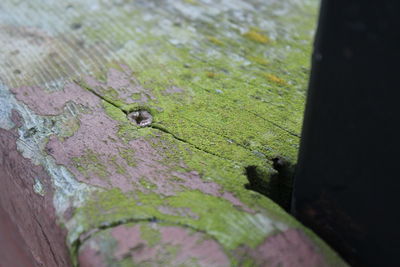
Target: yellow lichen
column 211, row 75
column 215, row 40
column 259, row 60
column 192, row 2
column 256, row 36
column 275, row 79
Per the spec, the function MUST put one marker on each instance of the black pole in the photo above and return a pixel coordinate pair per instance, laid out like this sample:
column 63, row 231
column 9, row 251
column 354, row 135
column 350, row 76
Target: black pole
column 347, row 184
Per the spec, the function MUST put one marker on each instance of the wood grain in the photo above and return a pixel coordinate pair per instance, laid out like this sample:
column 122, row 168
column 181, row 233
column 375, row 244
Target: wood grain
column 143, row 116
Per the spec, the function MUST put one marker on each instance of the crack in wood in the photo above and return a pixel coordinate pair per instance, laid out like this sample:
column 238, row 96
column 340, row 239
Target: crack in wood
column 160, row 128
column 90, row 233
column 154, row 125
column 47, row 241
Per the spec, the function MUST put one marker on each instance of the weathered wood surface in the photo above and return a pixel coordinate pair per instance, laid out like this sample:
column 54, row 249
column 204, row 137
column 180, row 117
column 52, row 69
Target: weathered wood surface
column 127, row 127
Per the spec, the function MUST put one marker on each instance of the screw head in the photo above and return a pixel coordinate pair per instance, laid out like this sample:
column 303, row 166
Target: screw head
column 141, row 118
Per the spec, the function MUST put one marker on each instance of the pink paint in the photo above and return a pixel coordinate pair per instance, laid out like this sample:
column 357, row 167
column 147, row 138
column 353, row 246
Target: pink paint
column 16, row 118
column 52, row 103
column 124, row 83
column 98, row 135
column 188, row 245
column 89, row 257
column 236, row 202
column 207, row 252
column 287, row 249
column 131, row 244
column 32, row 216
column 193, row 180
column 13, row 249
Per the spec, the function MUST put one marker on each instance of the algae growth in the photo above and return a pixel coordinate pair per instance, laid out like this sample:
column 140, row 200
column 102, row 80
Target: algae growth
column 225, row 84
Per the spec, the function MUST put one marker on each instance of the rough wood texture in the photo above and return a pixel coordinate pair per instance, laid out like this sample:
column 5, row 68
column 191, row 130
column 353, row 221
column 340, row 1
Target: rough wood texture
column 140, row 126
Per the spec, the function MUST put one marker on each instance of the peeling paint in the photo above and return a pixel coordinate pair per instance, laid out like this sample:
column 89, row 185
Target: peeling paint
column 38, row 187
column 159, row 245
column 68, row 192
column 224, row 84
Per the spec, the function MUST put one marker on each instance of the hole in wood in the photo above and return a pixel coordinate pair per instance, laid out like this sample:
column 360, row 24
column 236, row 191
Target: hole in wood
column 141, row 118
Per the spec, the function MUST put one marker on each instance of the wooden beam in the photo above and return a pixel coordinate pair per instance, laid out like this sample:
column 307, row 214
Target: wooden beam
column 141, row 119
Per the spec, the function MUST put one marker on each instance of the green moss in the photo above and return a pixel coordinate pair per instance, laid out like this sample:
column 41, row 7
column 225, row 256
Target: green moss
column 128, row 155
column 113, row 162
column 90, row 163
column 126, row 262
column 217, row 216
column 136, row 96
column 127, row 131
column 114, row 113
column 191, row 262
column 247, row 263
column 69, row 127
column 150, row 234
column 80, row 168
column 229, row 114
column 172, row 251
column 146, row 184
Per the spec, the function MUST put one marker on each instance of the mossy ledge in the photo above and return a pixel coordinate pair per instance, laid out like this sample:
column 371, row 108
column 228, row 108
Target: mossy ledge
column 224, row 82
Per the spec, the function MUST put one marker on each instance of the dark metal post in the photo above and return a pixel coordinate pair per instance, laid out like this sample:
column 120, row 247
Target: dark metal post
column 347, row 184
